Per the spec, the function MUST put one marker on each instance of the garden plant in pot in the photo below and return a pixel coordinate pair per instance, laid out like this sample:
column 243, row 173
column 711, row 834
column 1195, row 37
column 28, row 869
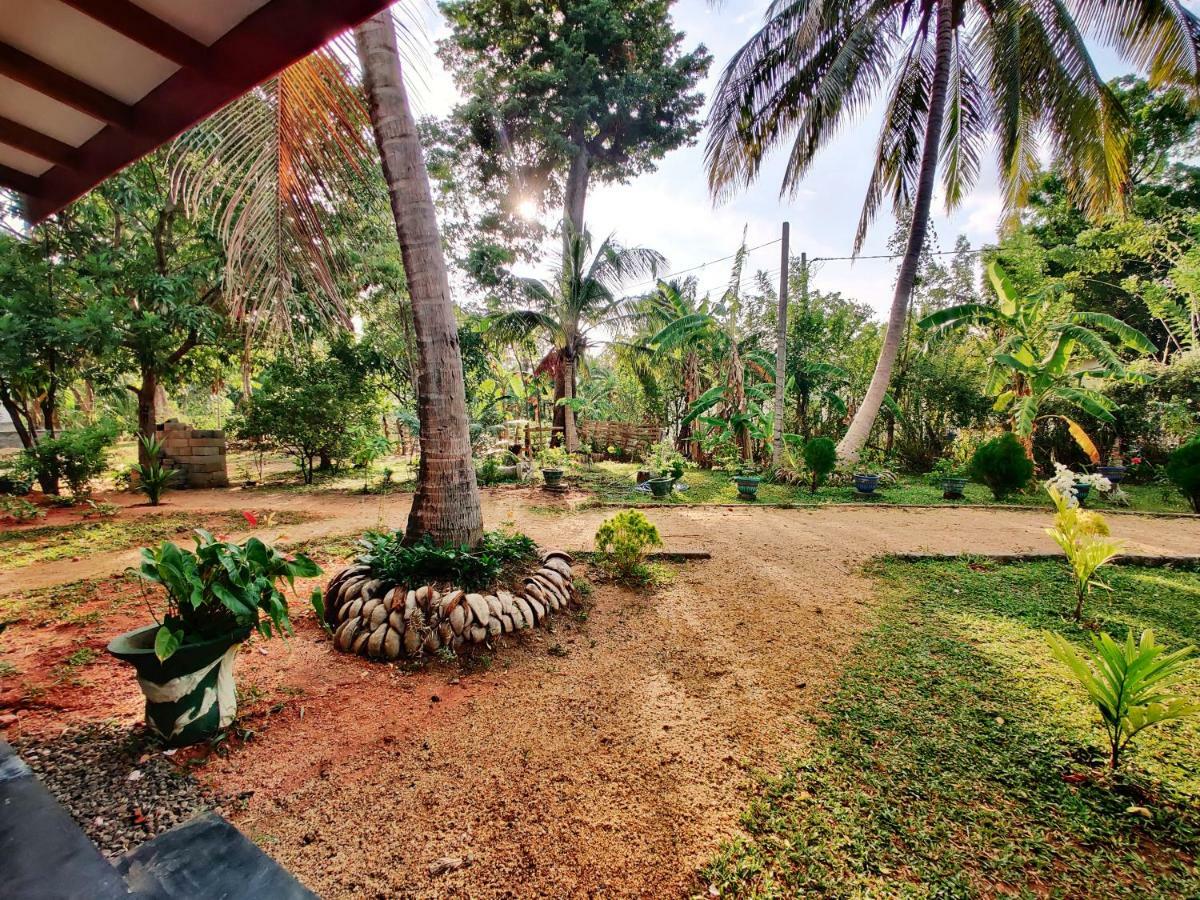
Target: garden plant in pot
column 866, row 482
column 215, row 596
column 553, row 461
column 747, row 481
column 952, row 479
column 666, row 464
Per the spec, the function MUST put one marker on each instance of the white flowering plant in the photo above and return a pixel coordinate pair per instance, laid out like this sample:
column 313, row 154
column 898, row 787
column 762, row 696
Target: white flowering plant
column 1065, row 483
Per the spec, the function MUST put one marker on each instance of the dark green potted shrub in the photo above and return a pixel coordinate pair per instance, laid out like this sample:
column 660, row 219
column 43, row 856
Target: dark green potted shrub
column 747, row 481
column 216, row 595
column 820, row 456
column 1002, row 465
column 666, row 465
column 1183, row 468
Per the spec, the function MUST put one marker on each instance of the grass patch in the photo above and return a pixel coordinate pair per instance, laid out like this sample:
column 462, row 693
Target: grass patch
column 613, row 482
column 957, row 758
column 49, row 543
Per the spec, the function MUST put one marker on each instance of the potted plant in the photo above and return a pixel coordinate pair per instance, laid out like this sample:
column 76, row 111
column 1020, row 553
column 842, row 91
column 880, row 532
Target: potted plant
column 216, row 595
column 1114, row 471
column 666, row 465
column 552, row 461
column 747, row 481
column 866, row 482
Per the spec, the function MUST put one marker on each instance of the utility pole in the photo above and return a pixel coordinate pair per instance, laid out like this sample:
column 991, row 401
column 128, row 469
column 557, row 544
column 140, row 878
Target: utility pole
column 781, row 350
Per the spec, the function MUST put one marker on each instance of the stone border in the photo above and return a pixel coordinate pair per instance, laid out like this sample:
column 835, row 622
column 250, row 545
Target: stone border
column 381, row 619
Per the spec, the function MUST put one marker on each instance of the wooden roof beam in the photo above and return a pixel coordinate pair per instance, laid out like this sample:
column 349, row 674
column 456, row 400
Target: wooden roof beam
column 146, row 29
column 25, row 139
column 45, row 79
column 19, row 181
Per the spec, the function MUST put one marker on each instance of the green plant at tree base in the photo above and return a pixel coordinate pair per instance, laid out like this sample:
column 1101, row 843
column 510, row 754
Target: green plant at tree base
column 423, row 562
column 220, row 588
column 1081, row 534
column 622, row 542
column 1127, row 683
column 18, row 509
column 1002, row 465
column 153, row 477
column 1183, row 469
column 820, row 455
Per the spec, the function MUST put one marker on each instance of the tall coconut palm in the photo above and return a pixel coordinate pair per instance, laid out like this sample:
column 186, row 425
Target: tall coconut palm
column 585, row 295
column 963, row 74
column 446, row 505
column 1044, row 353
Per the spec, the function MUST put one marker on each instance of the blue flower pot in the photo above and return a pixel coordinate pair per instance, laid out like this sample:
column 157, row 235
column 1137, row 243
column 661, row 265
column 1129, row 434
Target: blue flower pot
column 954, row 488
column 1115, row 474
column 1082, row 490
column 866, row 484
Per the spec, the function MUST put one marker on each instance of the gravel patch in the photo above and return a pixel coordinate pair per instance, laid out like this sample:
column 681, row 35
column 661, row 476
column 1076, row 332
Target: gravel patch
column 119, row 786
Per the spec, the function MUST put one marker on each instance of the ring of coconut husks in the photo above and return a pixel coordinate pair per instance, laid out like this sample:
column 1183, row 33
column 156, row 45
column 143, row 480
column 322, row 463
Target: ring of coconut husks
column 381, row 619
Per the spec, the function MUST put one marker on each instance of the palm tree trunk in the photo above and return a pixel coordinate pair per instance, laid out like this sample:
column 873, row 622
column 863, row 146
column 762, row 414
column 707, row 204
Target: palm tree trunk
column 570, row 436
column 575, row 194
column 446, row 504
column 860, row 427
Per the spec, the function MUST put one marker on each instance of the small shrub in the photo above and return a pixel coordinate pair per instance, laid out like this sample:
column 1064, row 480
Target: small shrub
column 153, row 477
column 622, row 542
column 18, row 509
column 664, row 461
column 1127, row 683
column 820, row 456
column 75, row 457
column 1002, row 465
column 422, row 562
column 553, row 458
column 1082, row 536
column 1183, row 468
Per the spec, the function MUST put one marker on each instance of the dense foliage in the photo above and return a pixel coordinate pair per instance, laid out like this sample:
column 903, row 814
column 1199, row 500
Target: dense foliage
column 421, row 562
column 1184, row 470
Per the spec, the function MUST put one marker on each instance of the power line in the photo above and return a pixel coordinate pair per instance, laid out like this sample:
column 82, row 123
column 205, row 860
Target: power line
column 894, row 255
column 703, row 265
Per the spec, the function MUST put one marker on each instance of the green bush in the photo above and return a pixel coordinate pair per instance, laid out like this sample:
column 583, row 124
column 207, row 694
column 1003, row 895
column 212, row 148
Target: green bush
column 820, row 456
column 1002, row 465
column 622, row 542
column 423, row 562
column 75, row 457
column 1183, row 469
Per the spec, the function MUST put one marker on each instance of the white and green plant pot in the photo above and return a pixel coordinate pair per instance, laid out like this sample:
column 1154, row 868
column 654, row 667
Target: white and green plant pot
column 191, row 696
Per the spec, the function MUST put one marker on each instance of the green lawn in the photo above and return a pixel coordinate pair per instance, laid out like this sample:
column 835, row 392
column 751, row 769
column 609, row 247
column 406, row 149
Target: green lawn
column 614, row 483
column 54, row 542
column 940, row 762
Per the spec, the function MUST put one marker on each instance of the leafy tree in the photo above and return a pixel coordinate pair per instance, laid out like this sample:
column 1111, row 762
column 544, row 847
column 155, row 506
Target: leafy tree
column 50, row 334
column 964, row 76
column 310, row 407
column 1043, row 352
column 820, row 456
column 584, row 295
column 572, row 90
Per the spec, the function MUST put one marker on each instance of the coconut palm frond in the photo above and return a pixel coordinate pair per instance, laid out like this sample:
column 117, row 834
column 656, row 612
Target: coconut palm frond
column 272, row 169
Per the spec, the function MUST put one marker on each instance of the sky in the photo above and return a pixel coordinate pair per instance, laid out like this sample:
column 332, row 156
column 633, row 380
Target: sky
column 670, row 210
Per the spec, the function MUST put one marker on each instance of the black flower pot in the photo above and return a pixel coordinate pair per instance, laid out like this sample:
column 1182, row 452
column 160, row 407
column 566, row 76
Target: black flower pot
column 661, row 487
column 954, row 488
column 552, row 476
column 866, row 484
column 1082, row 490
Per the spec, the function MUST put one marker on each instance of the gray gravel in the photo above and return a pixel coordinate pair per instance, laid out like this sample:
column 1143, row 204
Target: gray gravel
column 117, row 784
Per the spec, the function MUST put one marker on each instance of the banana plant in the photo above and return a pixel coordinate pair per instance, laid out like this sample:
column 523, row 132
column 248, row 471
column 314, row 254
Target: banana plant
column 1045, row 354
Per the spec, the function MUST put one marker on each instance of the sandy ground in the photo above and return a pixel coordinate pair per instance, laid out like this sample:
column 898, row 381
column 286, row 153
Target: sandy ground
column 609, row 757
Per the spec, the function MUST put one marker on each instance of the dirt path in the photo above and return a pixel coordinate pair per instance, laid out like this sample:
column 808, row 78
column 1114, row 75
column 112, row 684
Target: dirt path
column 608, row 757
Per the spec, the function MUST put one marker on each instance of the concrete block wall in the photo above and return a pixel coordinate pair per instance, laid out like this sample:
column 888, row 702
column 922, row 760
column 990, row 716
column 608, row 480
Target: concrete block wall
column 198, row 454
